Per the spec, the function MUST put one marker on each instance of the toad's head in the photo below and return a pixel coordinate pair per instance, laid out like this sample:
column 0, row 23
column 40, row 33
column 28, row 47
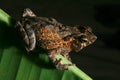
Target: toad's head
column 82, row 38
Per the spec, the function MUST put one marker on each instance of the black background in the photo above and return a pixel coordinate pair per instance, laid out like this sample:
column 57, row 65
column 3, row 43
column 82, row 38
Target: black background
column 100, row 60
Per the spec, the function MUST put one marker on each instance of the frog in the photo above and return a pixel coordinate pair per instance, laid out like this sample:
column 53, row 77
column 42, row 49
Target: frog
column 53, row 36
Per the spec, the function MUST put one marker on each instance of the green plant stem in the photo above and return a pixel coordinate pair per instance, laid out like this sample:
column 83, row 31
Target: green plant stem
column 74, row 69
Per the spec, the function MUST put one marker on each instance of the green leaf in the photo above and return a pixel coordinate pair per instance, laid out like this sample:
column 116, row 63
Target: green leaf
column 16, row 64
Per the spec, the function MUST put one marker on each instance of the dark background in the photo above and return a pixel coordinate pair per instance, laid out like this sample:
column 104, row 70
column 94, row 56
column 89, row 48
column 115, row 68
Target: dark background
column 100, row 60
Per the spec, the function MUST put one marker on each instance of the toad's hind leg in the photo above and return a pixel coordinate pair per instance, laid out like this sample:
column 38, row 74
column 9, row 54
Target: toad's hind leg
column 58, row 62
column 28, row 36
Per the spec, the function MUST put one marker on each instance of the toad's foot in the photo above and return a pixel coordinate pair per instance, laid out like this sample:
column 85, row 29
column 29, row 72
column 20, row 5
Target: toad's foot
column 58, row 62
column 60, row 65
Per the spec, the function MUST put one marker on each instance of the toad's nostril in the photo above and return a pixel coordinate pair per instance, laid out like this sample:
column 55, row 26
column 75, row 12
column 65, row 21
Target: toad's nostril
column 93, row 38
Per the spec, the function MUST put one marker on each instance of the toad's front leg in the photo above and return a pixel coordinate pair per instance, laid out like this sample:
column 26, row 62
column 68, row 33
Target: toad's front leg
column 58, row 62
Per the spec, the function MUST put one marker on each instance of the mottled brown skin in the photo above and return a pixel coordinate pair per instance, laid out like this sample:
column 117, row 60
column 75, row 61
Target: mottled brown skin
column 53, row 36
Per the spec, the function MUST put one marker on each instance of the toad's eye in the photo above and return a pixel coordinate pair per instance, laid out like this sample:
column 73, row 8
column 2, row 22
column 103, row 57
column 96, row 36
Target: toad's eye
column 84, row 40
